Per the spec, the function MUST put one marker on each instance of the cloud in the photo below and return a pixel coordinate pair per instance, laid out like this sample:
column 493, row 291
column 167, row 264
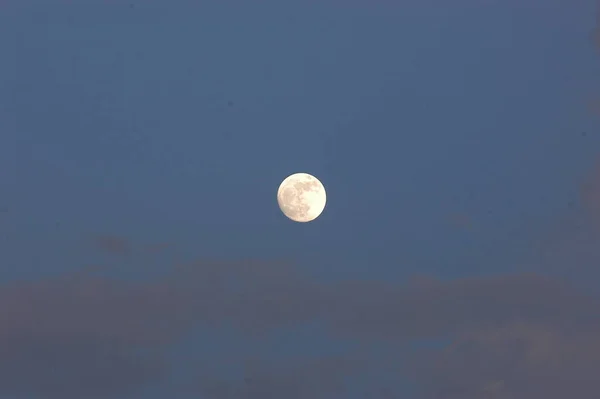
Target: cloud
column 74, row 367
column 534, row 324
column 122, row 311
column 85, row 337
column 88, row 336
column 519, row 360
column 440, row 309
column 114, row 335
column 521, row 336
column 302, row 379
column 259, row 297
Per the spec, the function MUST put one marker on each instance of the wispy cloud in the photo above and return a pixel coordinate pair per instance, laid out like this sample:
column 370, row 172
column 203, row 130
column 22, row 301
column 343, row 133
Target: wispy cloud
column 516, row 360
column 76, row 337
column 100, row 330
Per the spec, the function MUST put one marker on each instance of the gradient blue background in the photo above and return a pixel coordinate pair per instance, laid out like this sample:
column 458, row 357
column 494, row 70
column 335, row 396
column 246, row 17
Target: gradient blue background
column 408, row 113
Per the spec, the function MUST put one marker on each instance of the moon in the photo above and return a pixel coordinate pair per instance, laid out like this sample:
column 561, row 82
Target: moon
column 301, row 197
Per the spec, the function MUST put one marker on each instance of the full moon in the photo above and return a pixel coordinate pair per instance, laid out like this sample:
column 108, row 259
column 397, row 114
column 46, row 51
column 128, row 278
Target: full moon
column 301, row 197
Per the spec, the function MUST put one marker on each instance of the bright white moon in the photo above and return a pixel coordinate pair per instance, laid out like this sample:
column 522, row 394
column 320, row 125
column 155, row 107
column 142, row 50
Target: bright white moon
column 301, row 197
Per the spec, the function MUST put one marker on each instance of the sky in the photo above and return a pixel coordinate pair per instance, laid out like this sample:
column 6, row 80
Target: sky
column 142, row 250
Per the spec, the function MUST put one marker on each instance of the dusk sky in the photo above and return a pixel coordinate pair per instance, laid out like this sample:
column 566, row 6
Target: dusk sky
column 143, row 253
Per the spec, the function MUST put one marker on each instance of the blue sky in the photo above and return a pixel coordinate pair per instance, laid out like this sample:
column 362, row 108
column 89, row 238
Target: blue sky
column 142, row 144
